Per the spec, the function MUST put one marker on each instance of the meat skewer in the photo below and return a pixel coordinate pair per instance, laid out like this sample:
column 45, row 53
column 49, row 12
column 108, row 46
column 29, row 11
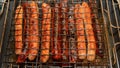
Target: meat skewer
column 81, row 44
column 18, row 30
column 33, row 31
column 46, row 9
column 56, row 51
column 91, row 51
column 72, row 43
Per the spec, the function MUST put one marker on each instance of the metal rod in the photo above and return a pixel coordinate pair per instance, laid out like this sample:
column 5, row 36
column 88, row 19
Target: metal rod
column 102, row 10
column 116, row 17
column 4, row 26
column 3, row 7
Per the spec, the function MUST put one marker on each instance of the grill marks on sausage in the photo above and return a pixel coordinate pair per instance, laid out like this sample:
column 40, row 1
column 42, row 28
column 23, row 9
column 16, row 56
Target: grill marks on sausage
column 45, row 47
column 85, row 32
column 23, row 56
column 30, row 32
column 64, row 19
column 18, row 30
column 33, row 31
column 56, row 49
column 64, row 46
column 81, row 44
column 91, row 46
column 72, row 39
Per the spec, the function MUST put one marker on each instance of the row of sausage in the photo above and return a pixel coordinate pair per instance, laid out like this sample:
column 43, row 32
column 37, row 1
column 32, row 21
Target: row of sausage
column 27, row 38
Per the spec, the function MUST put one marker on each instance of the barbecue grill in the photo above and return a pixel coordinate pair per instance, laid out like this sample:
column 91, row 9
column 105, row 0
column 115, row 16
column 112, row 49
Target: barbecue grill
column 106, row 22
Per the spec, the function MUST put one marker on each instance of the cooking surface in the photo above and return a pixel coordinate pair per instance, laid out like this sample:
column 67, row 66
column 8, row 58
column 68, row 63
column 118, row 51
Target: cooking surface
column 29, row 66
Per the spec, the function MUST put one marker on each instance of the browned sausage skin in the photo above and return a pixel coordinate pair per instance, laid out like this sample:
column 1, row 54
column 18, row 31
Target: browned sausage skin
column 72, row 38
column 33, row 44
column 45, row 47
column 81, row 44
column 56, row 48
column 18, row 29
column 23, row 55
column 91, row 51
column 64, row 22
column 31, row 32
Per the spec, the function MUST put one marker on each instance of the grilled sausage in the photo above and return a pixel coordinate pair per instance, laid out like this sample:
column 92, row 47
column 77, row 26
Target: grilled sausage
column 46, row 9
column 91, row 51
column 81, row 45
column 18, row 30
column 72, row 44
column 71, row 32
column 64, row 18
column 56, row 49
column 22, row 57
column 33, row 31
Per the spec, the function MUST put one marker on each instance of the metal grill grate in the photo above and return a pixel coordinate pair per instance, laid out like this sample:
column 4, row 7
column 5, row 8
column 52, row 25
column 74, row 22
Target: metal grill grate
column 2, row 4
column 112, row 18
column 99, row 26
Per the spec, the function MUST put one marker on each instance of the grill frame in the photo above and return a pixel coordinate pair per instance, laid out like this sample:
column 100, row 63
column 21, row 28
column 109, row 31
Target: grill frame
column 5, row 6
column 28, row 67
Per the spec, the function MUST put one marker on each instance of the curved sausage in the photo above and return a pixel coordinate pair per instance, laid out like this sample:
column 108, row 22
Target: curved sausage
column 18, row 30
column 81, row 44
column 45, row 47
column 91, row 51
column 33, row 40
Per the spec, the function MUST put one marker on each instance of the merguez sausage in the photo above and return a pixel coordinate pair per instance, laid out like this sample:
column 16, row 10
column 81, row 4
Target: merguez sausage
column 72, row 39
column 18, row 30
column 64, row 19
column 45, row 47
column 22, row 57
column 91, row 51
column 56, row 51
column 81, row 44
column 33, row 31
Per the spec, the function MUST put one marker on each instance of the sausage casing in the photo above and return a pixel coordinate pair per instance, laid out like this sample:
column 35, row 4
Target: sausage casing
column 91, row 51
column 22, row 57
column 81, row 44
column 46, row 20
column 56, row 49
column 18, row 30
column 33, row 31
column 64, row 19
column 72, row 38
